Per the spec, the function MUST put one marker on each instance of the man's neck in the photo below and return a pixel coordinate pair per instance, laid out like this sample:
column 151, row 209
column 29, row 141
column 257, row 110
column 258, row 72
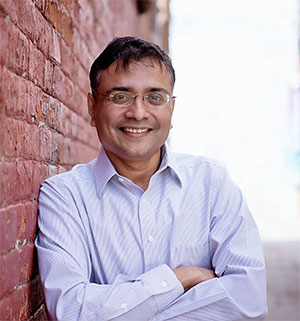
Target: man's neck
column 140, row 171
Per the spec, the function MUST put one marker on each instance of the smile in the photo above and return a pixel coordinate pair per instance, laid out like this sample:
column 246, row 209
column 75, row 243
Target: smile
column 135, row 130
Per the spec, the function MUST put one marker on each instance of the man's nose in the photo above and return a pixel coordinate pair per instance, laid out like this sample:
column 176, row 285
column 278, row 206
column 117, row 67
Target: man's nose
column 138, row 110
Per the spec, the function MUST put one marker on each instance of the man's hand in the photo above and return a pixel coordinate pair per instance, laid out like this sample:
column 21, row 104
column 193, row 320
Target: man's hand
column 190, row 275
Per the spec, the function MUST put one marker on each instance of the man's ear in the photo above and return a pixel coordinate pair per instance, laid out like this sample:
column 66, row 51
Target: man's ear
column 91, row 108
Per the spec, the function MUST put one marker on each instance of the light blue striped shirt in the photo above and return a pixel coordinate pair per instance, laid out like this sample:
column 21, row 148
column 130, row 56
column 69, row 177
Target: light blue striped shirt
column 106, row 248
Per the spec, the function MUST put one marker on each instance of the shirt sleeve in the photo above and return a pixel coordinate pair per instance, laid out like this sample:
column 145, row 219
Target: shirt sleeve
column 65, row 270
column 239, row 290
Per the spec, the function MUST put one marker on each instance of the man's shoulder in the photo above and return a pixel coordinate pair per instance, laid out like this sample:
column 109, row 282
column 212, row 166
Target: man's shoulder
column 80, row 172
column 188, row 161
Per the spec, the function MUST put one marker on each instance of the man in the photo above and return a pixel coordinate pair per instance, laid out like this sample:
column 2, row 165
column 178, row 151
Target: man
column 141, row 233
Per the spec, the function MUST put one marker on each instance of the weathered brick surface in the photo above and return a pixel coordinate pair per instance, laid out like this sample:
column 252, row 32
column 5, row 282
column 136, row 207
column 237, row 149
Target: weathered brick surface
column 46, row 49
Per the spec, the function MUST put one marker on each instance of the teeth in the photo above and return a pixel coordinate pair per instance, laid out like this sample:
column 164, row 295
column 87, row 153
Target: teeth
column 135, row 131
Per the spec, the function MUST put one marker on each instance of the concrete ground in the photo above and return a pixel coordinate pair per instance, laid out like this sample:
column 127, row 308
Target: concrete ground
column 283, row 280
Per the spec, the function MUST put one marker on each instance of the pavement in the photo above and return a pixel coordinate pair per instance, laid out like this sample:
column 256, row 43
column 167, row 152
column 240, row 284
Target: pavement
column 283, row 280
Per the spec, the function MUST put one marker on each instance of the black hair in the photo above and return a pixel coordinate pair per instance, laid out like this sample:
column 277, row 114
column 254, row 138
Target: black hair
column 124, row 50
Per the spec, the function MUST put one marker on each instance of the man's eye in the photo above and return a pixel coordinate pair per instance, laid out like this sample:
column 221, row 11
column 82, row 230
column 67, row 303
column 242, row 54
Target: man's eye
column 155, row 98
column 120, row 97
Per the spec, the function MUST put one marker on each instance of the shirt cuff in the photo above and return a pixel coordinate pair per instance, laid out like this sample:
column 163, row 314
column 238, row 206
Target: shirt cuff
column 163, row 285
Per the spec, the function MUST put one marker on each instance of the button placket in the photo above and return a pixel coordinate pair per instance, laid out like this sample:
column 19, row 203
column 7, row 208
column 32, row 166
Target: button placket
column 148, row 229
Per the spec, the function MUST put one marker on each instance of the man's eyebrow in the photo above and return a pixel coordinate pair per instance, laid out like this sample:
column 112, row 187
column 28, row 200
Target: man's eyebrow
column 120, row 89
column 158, row 89
column 129, row 89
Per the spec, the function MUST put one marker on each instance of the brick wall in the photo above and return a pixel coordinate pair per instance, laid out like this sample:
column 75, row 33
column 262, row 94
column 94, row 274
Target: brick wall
column 46, row 49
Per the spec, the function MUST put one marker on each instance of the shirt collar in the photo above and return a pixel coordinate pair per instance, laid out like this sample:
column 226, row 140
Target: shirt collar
column 169, row 161
column 104, row 169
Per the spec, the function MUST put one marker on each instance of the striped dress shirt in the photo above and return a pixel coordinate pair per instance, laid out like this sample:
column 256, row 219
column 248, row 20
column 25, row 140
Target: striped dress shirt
column 106, row 248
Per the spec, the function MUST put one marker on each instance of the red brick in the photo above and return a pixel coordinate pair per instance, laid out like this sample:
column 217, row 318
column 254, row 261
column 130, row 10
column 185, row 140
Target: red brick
column 83, row 16
column 54, row 158
column 63, row 87
column 45, row 143
column 32, row 23
column 33, row 97
column 49, row 142
column 68, row 30
column 74, row 125
column 54, row 48
column 82, row 51
column 47, row 39
column 10, row 142
column 23, row 259
column 18, row 96
column 22, row 302
column 56, row 16
column 14, row 47
column 19, row 222
column 16, row 181
column 36, row 68
column 19, row 139
column 65, row 123
column 7, row 307
column 28, row 223
column 40, row 173
column 49, row 111
column 13, row 92
column 81, row 77
column 79, row 101
column 24, row 171
column 9, row 220
column 40, row 4
column 68, row 59
column 30, row 142
column 9, row 274
column 64, row 150
column 9, row 183
column 48, row 76
column 26, row 263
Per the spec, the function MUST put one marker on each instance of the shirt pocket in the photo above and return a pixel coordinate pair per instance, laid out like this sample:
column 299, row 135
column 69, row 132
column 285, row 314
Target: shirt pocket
column 191, row 255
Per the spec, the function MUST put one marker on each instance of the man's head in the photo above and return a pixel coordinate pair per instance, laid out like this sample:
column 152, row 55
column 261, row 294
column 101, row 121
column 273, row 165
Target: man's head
column 132, row 101
column 126, row 50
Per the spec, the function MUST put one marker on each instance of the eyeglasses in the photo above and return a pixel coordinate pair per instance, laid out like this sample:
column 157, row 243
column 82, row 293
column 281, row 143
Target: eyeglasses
column 126, row 99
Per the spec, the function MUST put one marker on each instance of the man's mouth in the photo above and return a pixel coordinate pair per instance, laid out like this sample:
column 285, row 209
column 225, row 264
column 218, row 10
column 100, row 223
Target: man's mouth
column 135, row 130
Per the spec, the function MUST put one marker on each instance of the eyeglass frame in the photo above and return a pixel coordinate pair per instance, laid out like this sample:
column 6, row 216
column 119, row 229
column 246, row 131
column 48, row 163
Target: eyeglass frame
column 133, row 96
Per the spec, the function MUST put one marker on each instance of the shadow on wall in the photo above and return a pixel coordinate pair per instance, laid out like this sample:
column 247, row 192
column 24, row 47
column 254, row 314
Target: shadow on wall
column 283, row 280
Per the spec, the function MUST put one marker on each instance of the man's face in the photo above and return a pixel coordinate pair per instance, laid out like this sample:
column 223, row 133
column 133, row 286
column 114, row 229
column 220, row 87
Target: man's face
column 137, row 132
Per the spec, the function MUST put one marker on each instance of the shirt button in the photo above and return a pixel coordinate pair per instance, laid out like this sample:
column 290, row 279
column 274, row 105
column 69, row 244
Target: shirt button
column 150, row 238
column 123, row 305
column 164, row 283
